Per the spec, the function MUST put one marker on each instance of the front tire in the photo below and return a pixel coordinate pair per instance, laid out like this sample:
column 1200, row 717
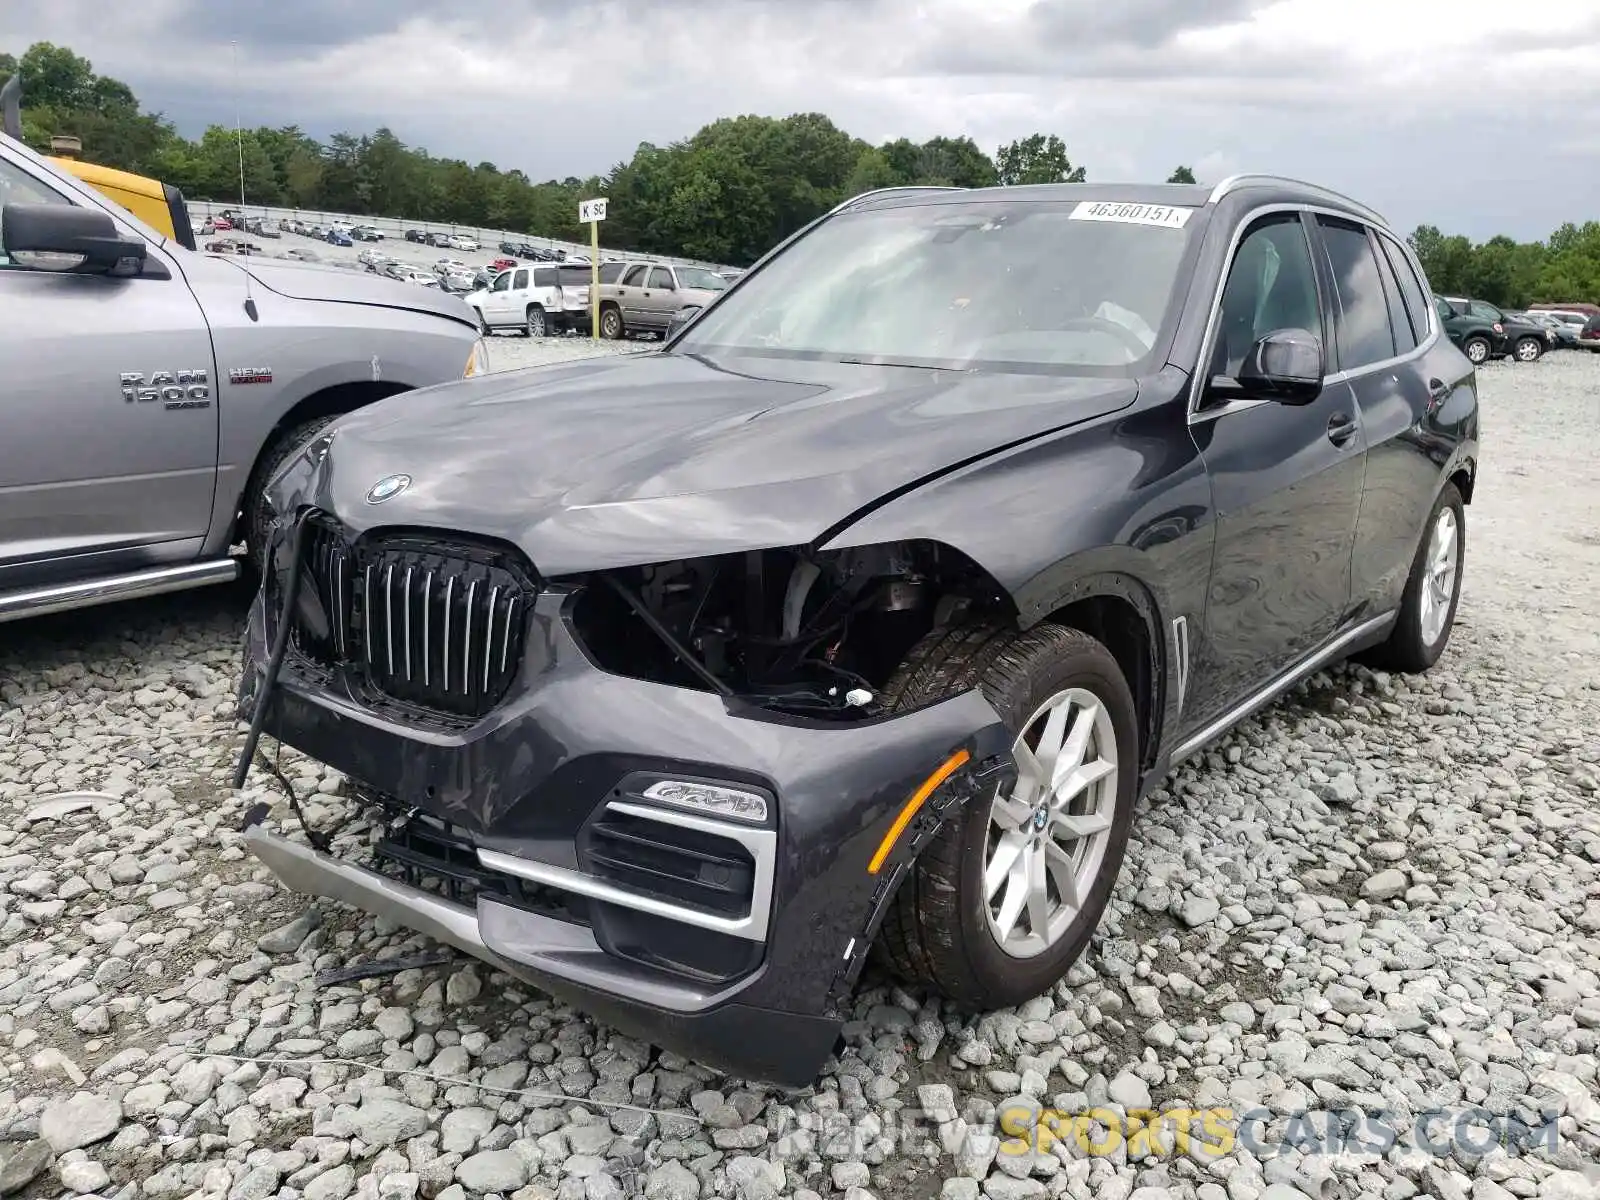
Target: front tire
column 1477, row 350
column 256, row 520
column 1528, row 349
column 1433, row 590
column 1007, row 894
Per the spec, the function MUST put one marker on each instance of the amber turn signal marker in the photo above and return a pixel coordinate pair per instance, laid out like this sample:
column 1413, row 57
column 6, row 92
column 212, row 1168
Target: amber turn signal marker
column 914, row 805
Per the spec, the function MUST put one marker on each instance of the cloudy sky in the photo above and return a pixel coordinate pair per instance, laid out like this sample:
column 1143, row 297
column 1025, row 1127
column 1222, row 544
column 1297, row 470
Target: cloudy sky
column 1457, row 112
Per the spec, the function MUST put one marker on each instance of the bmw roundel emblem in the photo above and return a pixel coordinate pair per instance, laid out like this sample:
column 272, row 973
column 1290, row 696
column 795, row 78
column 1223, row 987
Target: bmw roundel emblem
column 387, row 488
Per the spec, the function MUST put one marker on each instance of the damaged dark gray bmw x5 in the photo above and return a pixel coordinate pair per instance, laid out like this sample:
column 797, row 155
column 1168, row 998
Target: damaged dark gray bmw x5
column 861, row 613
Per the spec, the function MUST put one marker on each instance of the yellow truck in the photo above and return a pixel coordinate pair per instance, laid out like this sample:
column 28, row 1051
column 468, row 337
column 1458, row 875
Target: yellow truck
column 159, row 205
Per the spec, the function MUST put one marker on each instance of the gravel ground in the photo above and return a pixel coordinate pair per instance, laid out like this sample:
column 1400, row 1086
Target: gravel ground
column 1382, row 893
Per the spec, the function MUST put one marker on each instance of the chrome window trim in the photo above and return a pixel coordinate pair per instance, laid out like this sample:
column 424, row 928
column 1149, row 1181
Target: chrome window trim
column 1197, row 381
column 761, row 843
column 1234, row 182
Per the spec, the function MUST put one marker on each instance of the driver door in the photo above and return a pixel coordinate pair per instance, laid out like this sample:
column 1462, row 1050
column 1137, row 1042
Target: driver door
column 98, row 469
column 495, row 304
column 1286, row 479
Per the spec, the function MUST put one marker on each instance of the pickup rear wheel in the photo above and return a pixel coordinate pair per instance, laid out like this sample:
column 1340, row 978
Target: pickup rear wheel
column 611, row 327
column 537, row 326
column 257, row 521
column 1006, row 896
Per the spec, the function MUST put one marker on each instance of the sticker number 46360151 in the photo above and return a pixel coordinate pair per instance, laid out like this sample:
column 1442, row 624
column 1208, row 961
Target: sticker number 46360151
column 1132, row 214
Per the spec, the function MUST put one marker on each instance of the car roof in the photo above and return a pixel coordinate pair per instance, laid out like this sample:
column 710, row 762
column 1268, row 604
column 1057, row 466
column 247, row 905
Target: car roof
column 1263, row 189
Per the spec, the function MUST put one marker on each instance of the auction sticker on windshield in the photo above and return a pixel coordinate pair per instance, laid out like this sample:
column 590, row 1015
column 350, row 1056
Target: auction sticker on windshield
column 1132, row 214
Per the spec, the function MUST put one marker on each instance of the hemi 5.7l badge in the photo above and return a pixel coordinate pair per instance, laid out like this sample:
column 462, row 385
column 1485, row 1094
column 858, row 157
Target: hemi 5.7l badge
column 250, row 375
column 174, row 389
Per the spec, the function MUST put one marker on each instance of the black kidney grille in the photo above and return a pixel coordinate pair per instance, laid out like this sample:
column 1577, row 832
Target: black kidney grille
column 432, row 624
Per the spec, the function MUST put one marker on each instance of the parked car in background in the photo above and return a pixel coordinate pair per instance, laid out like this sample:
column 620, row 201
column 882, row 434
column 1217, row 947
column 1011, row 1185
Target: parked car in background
column 416, row 235
column 300, row 254
column 337, row 237
column 399, row 270
column 647, row 296
column 862, row 616
column 538, row 300
column 367, row 233
column 502, row 264
column 1479, row 338
column 1559, row 333
column 1589, row 335
column 1524, row 340
column 464, row 241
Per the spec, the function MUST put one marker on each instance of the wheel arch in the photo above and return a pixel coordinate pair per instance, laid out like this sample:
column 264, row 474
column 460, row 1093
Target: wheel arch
column 332, row 401
column 1123, row 612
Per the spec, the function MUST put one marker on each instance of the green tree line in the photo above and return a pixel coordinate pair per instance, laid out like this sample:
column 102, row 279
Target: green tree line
column 725, row 194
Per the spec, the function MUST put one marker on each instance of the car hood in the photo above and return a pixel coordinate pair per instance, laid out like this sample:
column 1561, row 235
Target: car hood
column 321, row 281
column 626, row 460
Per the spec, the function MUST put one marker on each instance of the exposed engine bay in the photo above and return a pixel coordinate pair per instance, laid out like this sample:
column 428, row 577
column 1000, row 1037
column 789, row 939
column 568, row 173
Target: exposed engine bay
column 810, row 633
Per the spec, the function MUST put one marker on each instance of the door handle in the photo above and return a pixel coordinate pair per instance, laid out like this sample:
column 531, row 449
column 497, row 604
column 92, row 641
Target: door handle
column 1341, row 428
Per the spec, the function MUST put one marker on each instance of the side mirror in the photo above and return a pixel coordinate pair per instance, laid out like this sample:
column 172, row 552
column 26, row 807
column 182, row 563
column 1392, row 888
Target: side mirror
column 64, row 237
column 1286, row 365
column 682, row 318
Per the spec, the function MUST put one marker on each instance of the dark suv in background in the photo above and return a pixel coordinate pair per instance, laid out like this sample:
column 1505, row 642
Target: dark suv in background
column 1514, row 336
column 863, row 612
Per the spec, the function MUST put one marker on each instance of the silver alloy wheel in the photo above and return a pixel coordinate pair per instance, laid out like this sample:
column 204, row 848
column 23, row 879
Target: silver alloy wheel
column 611, row 324
column 1527, row 350
column 536, row 322
column 1047, row 838
column 1439, row 575
column 1478, row 351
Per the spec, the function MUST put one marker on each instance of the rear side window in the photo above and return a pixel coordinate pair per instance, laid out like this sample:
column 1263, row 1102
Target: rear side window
column 1412, row 293
column 1405, row 338
column 522, row 280
column 609, row 272
column 1361, row 319
column 634, row 277
column 660, row 277
column 1485, row 311
column 544, row 277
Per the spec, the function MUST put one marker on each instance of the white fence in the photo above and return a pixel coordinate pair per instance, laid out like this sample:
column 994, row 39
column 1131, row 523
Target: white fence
column 394, row 228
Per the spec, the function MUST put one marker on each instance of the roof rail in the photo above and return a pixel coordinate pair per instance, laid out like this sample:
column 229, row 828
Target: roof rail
column 910, row 187
column 1235, row 182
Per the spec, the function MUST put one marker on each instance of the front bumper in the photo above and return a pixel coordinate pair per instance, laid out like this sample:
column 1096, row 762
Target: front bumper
column 759, row 994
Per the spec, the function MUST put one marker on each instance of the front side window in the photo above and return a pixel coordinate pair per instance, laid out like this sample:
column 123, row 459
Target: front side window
column 1361, row 321
column 502, row 282
column 1271, row 286
column 699, row 277
column 1070, row 287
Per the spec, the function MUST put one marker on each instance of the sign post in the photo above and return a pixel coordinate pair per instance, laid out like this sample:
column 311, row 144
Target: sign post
column 592, row 212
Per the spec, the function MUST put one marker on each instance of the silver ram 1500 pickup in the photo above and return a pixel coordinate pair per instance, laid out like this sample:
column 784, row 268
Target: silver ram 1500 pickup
column 149, row 391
